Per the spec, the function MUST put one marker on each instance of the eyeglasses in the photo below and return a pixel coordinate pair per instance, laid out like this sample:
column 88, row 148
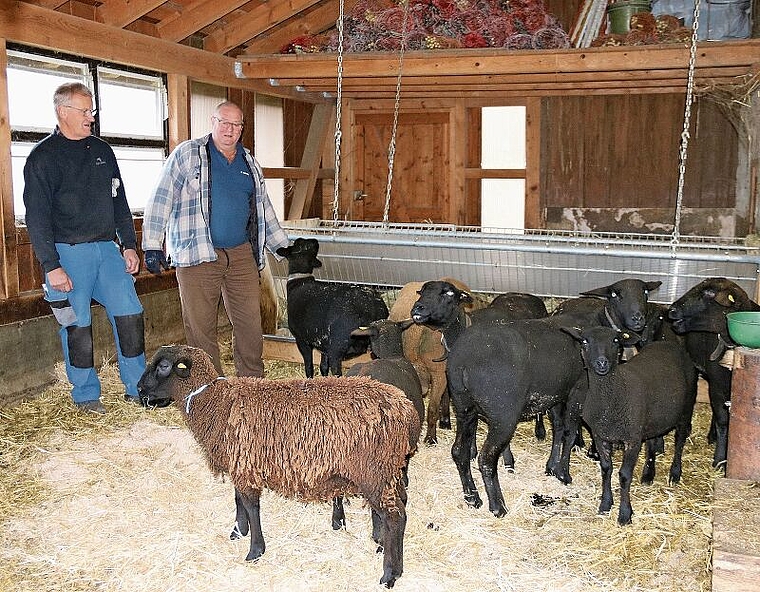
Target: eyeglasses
column 85, row 112
column 237, row 126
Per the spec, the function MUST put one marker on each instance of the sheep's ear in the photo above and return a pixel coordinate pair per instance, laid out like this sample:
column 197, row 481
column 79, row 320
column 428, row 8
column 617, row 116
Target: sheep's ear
column 182, row 368
column 405, row 324
column 362, row 332
column 573, row 332
column 465, row 298
column 283, row 251
column 649, row 286
column 725, row 298
column 628, row 339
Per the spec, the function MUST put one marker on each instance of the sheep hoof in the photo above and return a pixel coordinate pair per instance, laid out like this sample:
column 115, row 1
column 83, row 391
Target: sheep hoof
column 388, row 581
column 379, row 550
column 473, row 500
column 254, row 554
column 444, row 424
column 499, row 511
column 431, row 440
column 236, row 534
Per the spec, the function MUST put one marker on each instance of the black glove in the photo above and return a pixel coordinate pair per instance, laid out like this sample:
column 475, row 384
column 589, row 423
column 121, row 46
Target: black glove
column 155, row 260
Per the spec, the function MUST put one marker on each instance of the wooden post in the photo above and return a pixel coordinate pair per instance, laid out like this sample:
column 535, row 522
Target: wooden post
column 9, row 282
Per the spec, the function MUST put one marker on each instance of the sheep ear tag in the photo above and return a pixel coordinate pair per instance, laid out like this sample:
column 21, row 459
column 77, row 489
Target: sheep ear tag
column 182, row 369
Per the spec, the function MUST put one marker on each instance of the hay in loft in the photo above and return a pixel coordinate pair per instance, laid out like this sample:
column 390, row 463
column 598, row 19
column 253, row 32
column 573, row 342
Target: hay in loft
column 125, row 502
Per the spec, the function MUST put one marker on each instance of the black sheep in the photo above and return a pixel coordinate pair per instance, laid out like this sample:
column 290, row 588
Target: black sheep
column 627, row 404
column 700, row 315
column 502, row 373
column 322, row 315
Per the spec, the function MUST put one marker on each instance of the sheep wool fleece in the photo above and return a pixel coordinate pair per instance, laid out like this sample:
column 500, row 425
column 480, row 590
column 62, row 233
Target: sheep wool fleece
column 262, row 433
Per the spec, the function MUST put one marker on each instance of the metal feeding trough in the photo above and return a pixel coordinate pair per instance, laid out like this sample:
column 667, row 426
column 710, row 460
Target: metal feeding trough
column 556, row 264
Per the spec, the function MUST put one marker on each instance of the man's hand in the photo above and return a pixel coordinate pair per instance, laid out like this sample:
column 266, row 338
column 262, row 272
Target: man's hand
column 155, row 260
column 132, row 261
column 59, row 280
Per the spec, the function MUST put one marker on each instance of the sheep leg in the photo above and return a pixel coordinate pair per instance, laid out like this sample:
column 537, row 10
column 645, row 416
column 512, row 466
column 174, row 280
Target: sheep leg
column 393, row 526
column 540, row 429
column 496, row 440
column 556, row 418
column 308, row 358
column 648, row 471
column 435, row 393
column 444, row 422
column 324, row 364
column 571, row 427
column 605, row 466
column 630, row 456
column 240, row 529
column 250, row 502
column 720, row 419
column 682, row 433
column 467, row 422
column 338, row 514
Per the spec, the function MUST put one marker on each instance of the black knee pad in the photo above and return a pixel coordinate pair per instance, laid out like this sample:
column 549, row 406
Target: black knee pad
column 80, row 346
column 131, row 331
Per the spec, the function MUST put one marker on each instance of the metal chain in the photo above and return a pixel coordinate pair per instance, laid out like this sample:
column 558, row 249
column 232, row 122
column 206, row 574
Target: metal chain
column 396, row 105
column 338, row 133
column 686, row 125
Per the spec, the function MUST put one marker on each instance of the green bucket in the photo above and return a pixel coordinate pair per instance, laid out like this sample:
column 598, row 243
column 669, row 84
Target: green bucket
column 620, row 12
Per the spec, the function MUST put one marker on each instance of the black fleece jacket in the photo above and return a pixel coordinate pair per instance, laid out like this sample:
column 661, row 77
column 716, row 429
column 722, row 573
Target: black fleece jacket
column 74, row 194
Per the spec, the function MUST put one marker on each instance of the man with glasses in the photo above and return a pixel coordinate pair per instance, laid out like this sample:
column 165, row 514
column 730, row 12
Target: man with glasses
column 75, row 209
column 212, row 205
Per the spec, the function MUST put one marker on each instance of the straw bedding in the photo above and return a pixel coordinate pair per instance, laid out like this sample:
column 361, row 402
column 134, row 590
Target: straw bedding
column 126, row 502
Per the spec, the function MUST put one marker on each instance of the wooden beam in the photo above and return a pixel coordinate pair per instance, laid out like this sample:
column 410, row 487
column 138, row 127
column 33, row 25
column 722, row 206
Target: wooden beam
column 28, row 24
column 499, row 61
column 119, row 13
column 177, row 86
column 9, row 282
column 321, row 118
column 318, row 18
column 241, row 29
column 195, row 17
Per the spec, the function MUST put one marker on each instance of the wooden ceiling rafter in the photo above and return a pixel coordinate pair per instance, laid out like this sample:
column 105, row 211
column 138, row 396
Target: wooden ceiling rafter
column 120, row 14
column 243, row 29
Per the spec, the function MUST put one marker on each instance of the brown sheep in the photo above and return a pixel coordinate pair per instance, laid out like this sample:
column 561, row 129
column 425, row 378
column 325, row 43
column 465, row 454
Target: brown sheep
column 311, row 440
column 423, row 348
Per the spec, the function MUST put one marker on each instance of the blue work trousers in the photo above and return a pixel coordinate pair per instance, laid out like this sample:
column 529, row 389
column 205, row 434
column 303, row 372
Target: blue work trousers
column 97, row 271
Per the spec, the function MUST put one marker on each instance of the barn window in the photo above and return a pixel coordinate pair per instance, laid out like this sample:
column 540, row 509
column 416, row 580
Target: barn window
column 131, row 115
column 503, row 146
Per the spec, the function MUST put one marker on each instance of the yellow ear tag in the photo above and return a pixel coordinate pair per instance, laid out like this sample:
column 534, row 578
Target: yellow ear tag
column 731, row 297
column 626, row 335
column 182, row 366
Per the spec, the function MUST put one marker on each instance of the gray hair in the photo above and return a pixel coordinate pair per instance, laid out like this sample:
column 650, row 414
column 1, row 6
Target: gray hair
column 64, row 93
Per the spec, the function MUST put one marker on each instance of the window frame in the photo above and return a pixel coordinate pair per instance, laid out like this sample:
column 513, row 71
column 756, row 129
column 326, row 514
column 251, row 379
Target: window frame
column 90, row 69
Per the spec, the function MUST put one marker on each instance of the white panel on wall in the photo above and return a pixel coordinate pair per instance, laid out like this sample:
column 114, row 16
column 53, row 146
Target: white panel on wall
column 269, row 145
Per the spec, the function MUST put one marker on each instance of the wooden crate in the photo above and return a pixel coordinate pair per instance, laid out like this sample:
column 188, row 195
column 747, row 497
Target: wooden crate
column 736, row 536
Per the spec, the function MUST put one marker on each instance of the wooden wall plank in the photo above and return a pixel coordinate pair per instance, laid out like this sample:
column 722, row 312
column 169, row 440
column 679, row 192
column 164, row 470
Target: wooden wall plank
column 177, row 88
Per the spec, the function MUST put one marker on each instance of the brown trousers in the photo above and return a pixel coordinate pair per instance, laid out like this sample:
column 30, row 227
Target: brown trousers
column 234, row 278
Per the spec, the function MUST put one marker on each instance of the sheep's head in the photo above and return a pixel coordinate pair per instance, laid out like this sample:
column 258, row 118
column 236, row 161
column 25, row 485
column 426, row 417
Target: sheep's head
column 301, row 255
column 167, row 376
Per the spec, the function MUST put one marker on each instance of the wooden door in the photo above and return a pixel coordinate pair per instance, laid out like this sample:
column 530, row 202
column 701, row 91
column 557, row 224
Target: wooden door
column 420, row 184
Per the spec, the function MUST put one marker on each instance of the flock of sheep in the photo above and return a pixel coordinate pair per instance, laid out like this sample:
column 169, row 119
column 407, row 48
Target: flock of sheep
column 609, row 362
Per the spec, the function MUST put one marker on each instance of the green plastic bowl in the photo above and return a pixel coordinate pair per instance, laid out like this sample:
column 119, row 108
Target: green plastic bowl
column 744, row 328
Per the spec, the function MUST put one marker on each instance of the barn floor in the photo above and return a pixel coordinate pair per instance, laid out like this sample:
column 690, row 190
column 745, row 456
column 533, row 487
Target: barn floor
column 125, row 502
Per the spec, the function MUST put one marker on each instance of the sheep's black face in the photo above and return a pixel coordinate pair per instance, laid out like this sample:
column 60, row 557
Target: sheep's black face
column 155, row 385
column 438, row 304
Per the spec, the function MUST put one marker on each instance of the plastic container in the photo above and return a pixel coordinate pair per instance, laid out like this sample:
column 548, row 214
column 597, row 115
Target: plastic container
column 718, row 19
column 744, row 328
column 619, row 14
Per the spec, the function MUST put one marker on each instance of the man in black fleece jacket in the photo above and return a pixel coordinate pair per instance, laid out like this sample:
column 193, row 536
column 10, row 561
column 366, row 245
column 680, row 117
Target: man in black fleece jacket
column 75, row 210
